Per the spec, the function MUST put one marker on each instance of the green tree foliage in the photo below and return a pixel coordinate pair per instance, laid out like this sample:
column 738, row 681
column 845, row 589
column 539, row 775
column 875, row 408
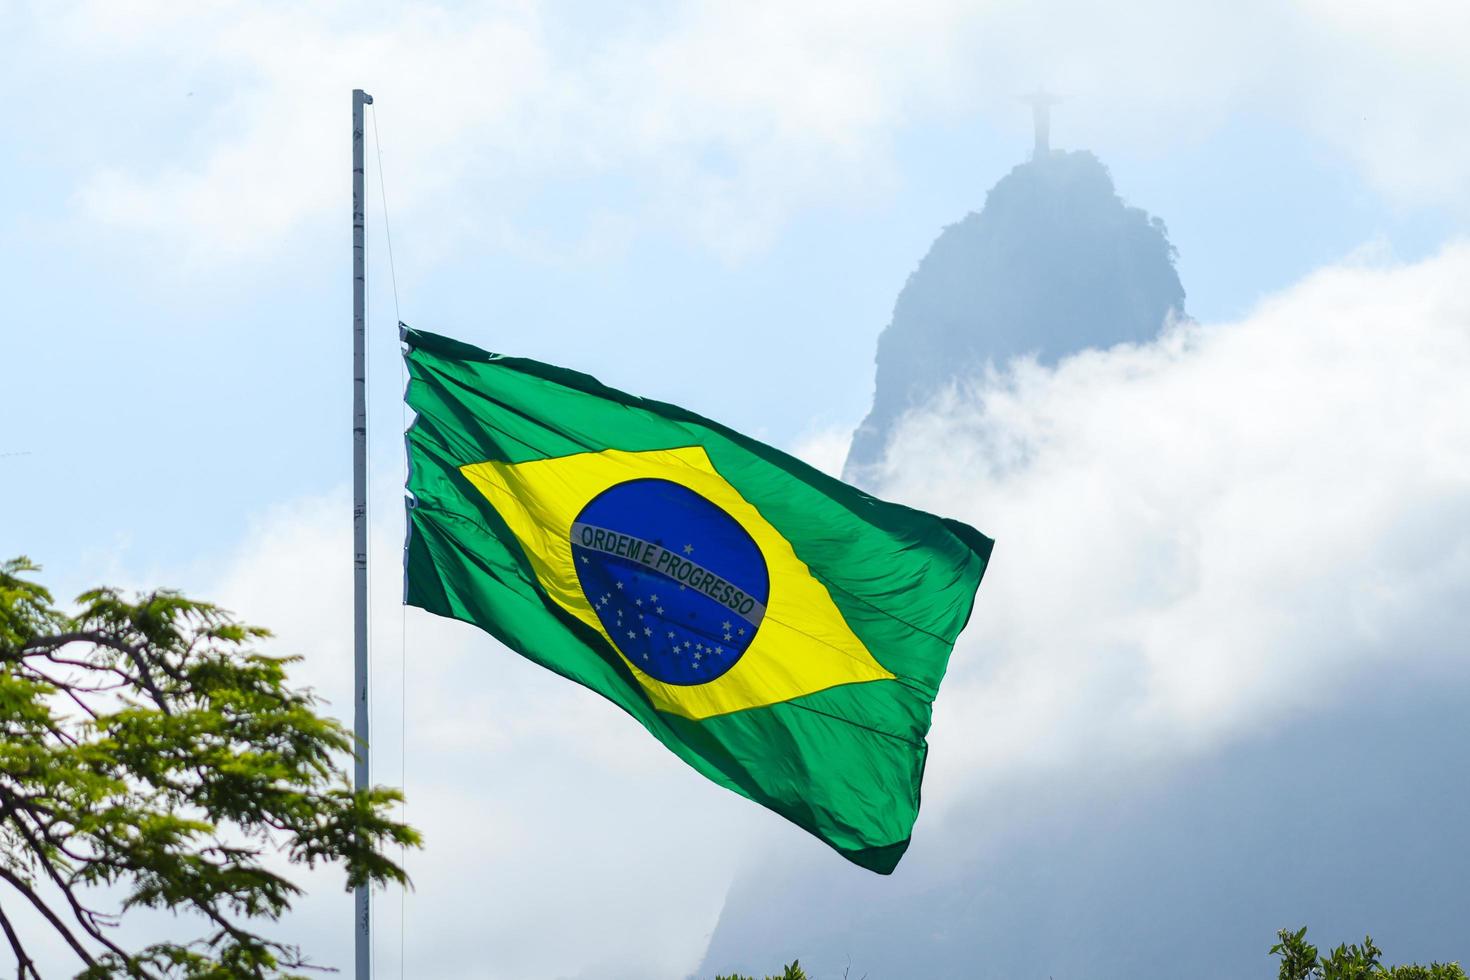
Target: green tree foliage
column 1300, row 961
column 146, row 745
column 792, row 972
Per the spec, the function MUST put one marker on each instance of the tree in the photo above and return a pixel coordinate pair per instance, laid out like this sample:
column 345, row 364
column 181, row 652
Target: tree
column 793, row 971
column 1299, row 961
column 147, row 745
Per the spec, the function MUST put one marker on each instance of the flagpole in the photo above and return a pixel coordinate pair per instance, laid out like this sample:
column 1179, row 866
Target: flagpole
column 362, row 911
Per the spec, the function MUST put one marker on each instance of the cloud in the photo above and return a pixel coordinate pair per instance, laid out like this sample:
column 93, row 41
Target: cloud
column 562, row 841
column 714, row 123
column 1201, row 537
column 460, row 89
column 1392, row 111
column 1198, row 539
column 1206, row 690
column 824, row 447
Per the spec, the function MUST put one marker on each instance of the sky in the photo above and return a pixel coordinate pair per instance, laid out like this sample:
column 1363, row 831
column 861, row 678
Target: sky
column 717, row 206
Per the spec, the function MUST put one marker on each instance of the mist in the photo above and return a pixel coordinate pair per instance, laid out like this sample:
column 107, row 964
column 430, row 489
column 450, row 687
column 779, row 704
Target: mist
column 1208, row 688
column 1209, row 685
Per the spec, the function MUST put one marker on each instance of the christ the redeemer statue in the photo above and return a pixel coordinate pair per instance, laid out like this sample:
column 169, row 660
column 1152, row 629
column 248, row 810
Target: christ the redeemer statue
column 1041, row 102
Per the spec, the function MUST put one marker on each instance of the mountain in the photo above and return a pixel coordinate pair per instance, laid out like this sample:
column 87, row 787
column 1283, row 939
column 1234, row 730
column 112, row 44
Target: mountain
column 1055, row 263
column 1353, row 820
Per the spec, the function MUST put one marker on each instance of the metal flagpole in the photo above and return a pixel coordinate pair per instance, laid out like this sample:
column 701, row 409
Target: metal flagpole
column 362, row 917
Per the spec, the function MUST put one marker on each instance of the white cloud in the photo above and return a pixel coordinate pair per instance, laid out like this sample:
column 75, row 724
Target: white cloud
column 717, row 122
column 1200, row 536
column 561, row 840
column 460, row 90
column 1197, row 538
column 1398, row 89
column 824, row 448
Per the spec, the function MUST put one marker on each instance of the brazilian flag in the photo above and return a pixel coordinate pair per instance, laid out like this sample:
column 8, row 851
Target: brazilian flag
column 782, row 632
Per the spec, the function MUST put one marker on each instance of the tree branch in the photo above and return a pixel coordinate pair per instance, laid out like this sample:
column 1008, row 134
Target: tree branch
column 51, row 917
column 85, row 917
column 138, row 655
column 23, row 962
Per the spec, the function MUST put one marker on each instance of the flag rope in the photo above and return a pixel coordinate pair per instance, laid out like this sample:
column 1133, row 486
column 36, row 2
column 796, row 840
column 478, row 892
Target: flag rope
column 387, row 226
